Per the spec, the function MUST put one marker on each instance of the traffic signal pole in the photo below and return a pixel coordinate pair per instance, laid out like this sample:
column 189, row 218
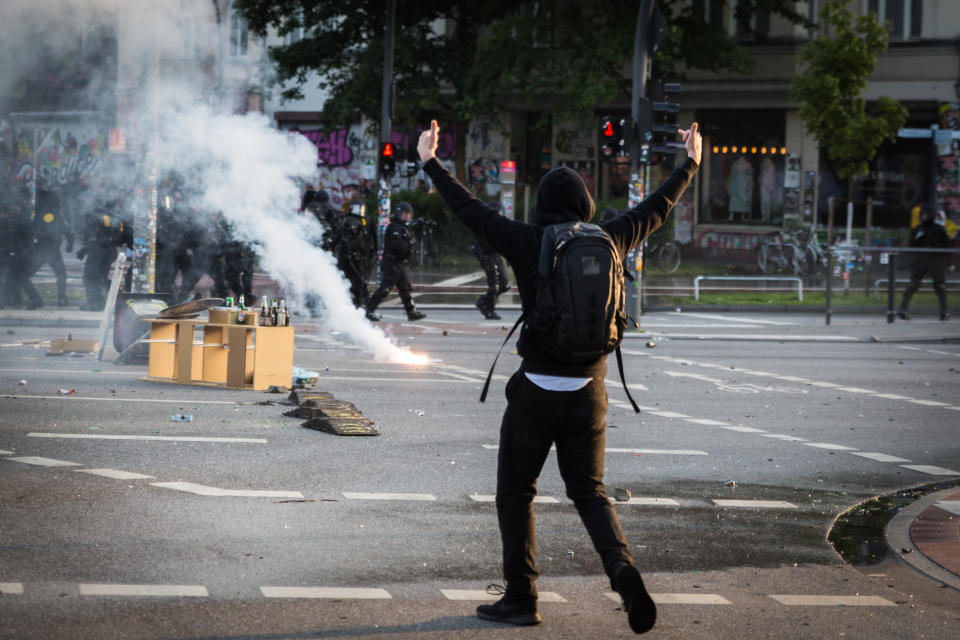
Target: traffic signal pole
column 386, row 120
column 640, row 117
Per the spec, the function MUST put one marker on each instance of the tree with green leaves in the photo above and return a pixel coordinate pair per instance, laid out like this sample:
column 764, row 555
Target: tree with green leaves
column 838, row 66
column 566, row 57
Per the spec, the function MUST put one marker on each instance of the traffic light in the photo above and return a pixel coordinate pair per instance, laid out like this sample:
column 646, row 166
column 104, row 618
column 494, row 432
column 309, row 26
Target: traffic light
column 612, row 138
column 388, row 162
column 659, row 135
column 413, row 162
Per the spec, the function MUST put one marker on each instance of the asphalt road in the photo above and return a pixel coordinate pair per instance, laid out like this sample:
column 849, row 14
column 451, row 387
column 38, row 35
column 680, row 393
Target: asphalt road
column 243, row 524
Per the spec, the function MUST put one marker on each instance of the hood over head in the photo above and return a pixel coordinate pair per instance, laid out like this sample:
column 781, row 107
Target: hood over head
column 562, row 197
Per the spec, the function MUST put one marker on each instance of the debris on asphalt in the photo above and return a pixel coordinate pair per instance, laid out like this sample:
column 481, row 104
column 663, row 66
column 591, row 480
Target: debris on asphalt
column 276, row 389
column 444, row 333
column 60, row 346
column 905, row 550
column 621, row 495
column 22, row 383
column 182, row 417
column 66, row 392
column 304, row 377
column 324, row 413
column 651, row 344
column 306, row 500
column 570, row 554
column 11, row 332
column 732, row 483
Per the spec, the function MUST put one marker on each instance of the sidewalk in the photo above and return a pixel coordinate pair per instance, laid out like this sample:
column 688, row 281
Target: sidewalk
column 926, row 535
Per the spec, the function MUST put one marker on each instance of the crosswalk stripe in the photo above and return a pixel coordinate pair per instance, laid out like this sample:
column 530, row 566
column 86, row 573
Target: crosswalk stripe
column 744, row 429
column 879, row 457
column 346, row 593
column 115, row 474
column 762, row 504
column 679, row 598
column 11, row 588
column 669, row 452
column 350, row 495
column 476, row 497
column 780, row 436
column 669, row 502
column 708, row 422
column 833, row 601
column 931, row 469
column 201, row 490
column 97, row 436
column 4, row 452
column 143, row 590
column 827, row 445
column 477, row 594
column 43, row 462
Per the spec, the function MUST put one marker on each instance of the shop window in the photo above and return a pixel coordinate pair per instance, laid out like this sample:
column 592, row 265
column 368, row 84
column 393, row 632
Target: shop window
column 904, row 18
column 239, row 34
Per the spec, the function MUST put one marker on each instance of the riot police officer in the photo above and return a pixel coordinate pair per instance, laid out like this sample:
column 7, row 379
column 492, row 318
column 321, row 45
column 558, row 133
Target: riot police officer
column 397, row 249
column 495, row 269
column 356, row 245
column 103, row 234
column 16, row 246
column 49, row 225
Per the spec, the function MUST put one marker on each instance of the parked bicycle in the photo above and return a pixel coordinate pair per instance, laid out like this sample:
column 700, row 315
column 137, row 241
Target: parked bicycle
column 811, row 257
column 778, row 252
column 666, row 252
column 427, row 250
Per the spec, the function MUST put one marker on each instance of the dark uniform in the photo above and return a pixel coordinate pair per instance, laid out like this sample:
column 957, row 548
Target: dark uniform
column 928, row 234
column 230, row 262
column 356, row 246
column 495, row 269
column 102, row 235
column 397, row 249
column 16, row 252
column 49, row 225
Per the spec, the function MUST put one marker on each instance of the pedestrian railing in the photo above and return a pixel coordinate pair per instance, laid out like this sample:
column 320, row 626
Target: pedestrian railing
column 886, row 281
column 797, row 281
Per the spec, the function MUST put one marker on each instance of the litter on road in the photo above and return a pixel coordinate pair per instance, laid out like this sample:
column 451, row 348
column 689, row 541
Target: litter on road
column 182, row 417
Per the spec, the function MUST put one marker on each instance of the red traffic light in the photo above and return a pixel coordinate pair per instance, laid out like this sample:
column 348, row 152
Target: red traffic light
column 608, row 130
column 387, row 150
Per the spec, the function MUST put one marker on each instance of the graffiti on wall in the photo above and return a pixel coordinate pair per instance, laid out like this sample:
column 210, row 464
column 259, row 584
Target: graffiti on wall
column 60, row 154
column 483, row 177
column 727, row 243
column 333, row 147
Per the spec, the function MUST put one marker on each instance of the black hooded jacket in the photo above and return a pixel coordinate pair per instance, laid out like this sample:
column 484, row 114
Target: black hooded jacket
column 561, row 197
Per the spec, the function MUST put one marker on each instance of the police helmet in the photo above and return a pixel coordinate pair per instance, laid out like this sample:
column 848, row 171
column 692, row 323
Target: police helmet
column 400, row 209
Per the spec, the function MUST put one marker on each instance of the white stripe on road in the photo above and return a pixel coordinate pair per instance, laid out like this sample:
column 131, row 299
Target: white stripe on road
column 476, row 497
column 4, row 452
column 388, row 496
column 827, row 445
column 338, row 593
column 43, row 462
column 73, row 398
column 201, row 490
column 714, row 316
column 670, row 452
column 679, row 598
column 879, row 457
column 175, row 590
column 929, row 403
column 922, row 468
column 115, row 474
column 467, row 594
column 667, row 502
column 780, row 436
column 744, row 429
column 668, row 414
column 760, row 504
column 456, row 281
column 95, row 436
column 11, row 588
column 834, row 601
column 856, row 390
column 708, row 422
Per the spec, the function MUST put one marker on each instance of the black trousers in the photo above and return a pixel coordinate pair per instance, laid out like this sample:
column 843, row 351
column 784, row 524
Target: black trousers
column 354, row 269
column 534, row 420
column 49, row 253
column 919, row 269
column 392, row 274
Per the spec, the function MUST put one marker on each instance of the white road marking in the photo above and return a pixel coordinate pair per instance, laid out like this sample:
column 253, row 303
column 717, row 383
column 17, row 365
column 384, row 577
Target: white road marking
column 679, row 598
column 780, row 436
column 62, row 369
column 115, row 474
column 388, row 496
column 44, row 462
column 11, row 588
column 456, row 281
column 117, row 399
column 201, row 490
column 892, row 396
column 476, row 497
column 401, row 378
column 879, row 457
column 615, row 384
column 175, row 590
column 827, row 445
column 953, row 506
column 924, row 468
column 709, row 422
column 4, row 452
column 856, row 390
column 468, row 594
column 714, row 316
column 668, row 414
column 760, row 504
column 833, row 601
column 744, row 429
column 337, row 593
column 928, row 403
column 670, row 452
column 96, row 436
column 667, row 502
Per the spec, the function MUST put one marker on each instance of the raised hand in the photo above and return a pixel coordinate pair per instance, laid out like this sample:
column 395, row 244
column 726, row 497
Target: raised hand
column 427, row 144
column 692, row 141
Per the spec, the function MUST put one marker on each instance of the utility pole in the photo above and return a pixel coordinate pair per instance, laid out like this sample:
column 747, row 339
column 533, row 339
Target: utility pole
column 638, row 169
column 386, row 120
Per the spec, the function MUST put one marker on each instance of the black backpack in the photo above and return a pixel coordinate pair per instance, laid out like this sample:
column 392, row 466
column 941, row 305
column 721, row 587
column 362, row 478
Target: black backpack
column 580, row 310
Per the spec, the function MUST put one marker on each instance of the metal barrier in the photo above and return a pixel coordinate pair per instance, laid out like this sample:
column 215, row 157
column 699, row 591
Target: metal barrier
column 798, row 281
column 876, row 283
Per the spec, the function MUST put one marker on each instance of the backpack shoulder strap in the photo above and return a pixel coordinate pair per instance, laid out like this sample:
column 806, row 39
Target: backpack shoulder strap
column 624, row 381
column 486, row 385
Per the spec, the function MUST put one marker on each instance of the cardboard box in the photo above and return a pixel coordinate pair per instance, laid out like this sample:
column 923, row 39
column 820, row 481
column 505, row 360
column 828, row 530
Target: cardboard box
column 228, row 315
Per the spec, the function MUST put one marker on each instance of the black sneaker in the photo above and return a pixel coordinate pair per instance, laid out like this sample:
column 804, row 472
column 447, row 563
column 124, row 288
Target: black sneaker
column 491, row 315
column 519, row 612
column 372, row 317
column 641, row 611
column 944, row 316
column 481, row 306
column 903, row 315
column 415, row 315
